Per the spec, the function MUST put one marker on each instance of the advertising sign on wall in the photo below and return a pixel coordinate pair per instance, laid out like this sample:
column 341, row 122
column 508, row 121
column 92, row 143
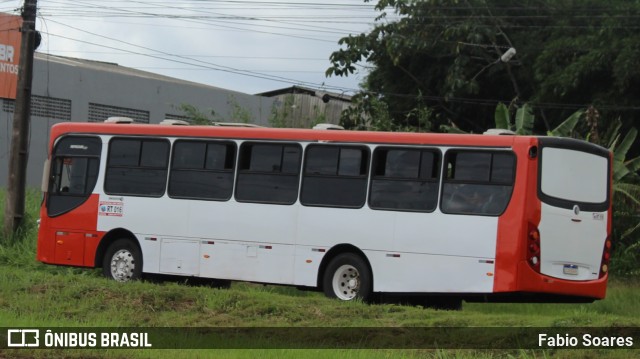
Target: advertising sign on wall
column 9, row 54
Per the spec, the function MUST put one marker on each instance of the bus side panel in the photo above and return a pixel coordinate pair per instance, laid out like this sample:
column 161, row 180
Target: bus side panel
column 210, row 238
column 253, row 241
column 306, row 264
column 450, row 235
column 424, row 273
column 70, row 238
column 236, row 221
column 149, row 219
column 248, row 261
column 408, row 252
column 364, row 228
column 523, row 208
column 432, row 254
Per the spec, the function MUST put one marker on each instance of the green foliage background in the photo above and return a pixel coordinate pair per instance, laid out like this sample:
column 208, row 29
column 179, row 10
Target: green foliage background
column 444, row 55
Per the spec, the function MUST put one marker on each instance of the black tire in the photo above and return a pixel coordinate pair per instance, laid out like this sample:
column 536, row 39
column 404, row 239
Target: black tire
column 122, row 261
column 348, row 277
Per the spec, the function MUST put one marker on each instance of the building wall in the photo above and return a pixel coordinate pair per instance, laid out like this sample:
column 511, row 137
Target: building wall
column 66, row 89
column 301, row 110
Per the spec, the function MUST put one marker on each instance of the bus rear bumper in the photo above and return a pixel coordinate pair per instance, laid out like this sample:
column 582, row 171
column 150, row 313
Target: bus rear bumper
column 532, row 281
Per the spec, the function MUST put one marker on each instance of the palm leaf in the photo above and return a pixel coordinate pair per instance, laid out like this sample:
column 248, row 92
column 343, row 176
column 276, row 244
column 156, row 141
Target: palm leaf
column 567, row 126
column 619, row 171
column 502, row 117
column 524, row 120
column 612, row 134
column 620, row 152
column 628, row 233
column 633, row 165
column 630, row 191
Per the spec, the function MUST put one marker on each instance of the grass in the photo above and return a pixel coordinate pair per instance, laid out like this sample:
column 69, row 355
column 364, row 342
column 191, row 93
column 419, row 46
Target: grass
column 37, row 295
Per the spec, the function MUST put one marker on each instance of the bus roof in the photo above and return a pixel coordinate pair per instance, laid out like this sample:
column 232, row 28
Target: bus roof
column 264, row 133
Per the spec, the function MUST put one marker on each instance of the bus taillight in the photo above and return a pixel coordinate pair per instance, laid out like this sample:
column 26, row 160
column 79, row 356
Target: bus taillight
column 606, row 255
column 533, row 248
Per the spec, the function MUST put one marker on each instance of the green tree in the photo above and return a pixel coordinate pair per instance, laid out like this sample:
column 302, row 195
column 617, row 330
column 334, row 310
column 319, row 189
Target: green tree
column 446, row 53
column 371, row 113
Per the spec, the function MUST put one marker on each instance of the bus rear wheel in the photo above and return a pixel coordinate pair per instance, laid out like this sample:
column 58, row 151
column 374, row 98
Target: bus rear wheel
column 347, row 277
column 122, row 261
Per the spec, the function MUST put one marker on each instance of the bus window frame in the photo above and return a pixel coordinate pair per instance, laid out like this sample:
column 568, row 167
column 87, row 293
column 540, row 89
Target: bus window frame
column 366, row 149
column 492, row 151
column 439, row 157
column 233, row 171
column 142, row 139
column 239, row 172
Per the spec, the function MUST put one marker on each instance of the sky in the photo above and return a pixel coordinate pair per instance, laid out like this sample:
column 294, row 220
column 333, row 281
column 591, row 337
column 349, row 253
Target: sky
column 249, row 46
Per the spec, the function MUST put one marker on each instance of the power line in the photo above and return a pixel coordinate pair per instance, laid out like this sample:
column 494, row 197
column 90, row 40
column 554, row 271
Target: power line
column 164, row 53
column 214, row 67
column 203, row 16
column 195, row 20
column 169, row 56
column 205, row 56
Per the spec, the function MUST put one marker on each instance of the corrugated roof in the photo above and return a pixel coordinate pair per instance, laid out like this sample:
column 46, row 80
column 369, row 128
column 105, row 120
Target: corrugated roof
column 305, row 90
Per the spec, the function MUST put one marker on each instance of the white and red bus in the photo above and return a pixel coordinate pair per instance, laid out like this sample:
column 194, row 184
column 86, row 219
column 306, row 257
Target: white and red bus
column 354, row 214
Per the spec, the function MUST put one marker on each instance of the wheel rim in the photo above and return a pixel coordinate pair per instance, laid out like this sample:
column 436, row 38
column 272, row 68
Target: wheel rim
column 122, row 265
column 346, row 282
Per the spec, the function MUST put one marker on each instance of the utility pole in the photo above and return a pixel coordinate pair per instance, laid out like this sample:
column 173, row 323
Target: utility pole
column 14, row 207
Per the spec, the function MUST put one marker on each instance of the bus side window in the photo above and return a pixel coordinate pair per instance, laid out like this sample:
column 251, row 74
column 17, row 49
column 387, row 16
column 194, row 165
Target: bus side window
column 202, row 170
column 477, row 182
column 268, row 173
column 405, row 179
column 335, row 176
column 137, row 167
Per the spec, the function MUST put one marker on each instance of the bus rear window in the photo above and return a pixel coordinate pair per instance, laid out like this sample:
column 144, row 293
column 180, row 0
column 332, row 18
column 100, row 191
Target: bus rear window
column 573, row 177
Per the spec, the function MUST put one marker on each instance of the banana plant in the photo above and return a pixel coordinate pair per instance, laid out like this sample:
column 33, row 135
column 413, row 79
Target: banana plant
column 524, row 120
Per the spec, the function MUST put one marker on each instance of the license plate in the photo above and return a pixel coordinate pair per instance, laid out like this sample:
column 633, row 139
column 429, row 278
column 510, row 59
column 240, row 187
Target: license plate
column 570, row 269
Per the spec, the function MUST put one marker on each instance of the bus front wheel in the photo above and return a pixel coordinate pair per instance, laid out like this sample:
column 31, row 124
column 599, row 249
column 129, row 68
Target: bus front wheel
column 122, row 261
column 347, row 277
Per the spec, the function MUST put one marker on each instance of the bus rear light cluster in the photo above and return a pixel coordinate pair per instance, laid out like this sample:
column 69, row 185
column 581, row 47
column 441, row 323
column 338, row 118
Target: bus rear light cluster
column 533, row 248
column 606, row 255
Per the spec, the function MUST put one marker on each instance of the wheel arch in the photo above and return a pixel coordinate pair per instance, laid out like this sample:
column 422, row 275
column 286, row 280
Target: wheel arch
column 112, row 236
column 335, row 251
